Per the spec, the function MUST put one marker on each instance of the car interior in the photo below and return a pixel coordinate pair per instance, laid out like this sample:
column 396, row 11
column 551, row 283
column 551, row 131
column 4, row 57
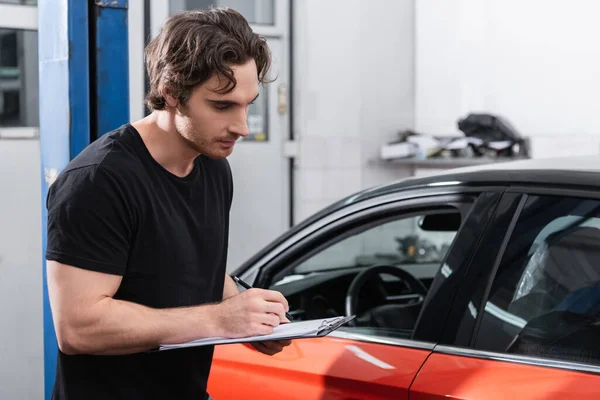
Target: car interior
column 380, row 273
column 551, row 295
column 562, row 306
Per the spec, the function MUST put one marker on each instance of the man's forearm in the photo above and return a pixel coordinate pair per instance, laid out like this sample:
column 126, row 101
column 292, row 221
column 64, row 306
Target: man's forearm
column 121, row 327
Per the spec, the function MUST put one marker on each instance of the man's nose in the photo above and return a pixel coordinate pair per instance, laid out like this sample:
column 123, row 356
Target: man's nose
column 240, row 127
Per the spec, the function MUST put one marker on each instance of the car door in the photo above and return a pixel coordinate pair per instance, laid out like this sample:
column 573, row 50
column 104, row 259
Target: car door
column 526, row 325
column 314, row 271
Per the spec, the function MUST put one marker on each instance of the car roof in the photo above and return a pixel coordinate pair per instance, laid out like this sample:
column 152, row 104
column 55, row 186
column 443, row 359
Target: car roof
column 575, row 172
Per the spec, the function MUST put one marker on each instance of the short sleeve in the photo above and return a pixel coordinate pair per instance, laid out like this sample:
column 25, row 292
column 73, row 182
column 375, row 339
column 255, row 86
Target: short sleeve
column 230, row 183
column 89, row 221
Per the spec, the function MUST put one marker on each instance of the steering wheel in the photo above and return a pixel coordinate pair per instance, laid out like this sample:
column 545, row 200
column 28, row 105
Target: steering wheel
column 399, row 316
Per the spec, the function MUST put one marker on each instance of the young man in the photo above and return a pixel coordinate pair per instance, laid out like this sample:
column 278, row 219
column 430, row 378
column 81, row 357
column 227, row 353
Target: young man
column 138, row 225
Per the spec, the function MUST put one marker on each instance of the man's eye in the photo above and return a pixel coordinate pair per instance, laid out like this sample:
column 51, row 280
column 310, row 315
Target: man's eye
column 221, row 107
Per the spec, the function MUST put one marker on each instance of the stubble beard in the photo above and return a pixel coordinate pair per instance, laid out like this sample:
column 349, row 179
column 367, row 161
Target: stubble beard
column 192, row 139
column 188, row 133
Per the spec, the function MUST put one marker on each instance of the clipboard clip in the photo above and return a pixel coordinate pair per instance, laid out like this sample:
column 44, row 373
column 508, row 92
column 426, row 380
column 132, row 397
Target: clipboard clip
column 327, row 327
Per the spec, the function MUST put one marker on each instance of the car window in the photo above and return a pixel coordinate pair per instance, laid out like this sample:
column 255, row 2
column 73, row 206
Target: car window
column 545, row 297
column 404, row 254
column 399, row 242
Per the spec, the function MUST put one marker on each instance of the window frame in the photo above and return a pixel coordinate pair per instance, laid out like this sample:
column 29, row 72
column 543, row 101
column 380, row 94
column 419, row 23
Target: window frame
column 522, row 201
column 470, row 350
column 19, row 17
column 401, row 206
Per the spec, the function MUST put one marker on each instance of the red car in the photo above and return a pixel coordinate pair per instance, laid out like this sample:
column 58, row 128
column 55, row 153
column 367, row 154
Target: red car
column 472, row 284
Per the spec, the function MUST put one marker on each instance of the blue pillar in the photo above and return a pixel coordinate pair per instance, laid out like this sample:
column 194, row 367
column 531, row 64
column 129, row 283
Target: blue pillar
column 112, row 65
column 83, row 56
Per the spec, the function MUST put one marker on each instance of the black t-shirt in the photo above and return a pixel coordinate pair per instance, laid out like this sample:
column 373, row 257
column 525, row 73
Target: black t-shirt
column 114, row 209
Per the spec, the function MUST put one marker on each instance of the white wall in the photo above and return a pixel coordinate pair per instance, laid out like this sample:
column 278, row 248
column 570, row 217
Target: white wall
column 353, row 90
column 536, row 62
column 21, row 344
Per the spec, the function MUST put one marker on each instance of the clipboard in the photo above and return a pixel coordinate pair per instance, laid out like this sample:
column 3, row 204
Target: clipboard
column 293, row 330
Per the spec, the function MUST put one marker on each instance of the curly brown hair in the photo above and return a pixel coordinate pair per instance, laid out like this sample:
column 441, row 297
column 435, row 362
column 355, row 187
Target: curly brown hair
column 193, row 46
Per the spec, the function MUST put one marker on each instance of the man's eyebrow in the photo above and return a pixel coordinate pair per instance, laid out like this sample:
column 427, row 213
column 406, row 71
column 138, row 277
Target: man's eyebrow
column 229, row 102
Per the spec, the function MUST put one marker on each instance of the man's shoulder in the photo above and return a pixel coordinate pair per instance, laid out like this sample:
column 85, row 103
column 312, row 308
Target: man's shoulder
column 110, row 162
column 113, row 152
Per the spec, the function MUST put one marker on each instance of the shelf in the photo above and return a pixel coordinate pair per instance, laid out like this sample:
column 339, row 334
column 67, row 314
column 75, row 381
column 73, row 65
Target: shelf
column 448, row 162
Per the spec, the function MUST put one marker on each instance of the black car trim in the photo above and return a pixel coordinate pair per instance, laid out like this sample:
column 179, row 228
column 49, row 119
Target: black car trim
column 360, row 337
column 555, row 191
column 497, row 262
column 534, row 173
column 433, row 322
column 517, row 359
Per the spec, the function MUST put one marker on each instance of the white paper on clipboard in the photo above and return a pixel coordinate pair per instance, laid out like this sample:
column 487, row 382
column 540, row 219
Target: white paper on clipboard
column 293, row 330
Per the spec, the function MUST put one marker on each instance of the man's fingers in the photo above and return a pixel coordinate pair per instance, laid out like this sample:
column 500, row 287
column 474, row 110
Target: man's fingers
column 270, row 302
column 277, row 309
column 272, row 347
column 270, row 319
column 277, row 344
column 274, row 296
column 263, row 348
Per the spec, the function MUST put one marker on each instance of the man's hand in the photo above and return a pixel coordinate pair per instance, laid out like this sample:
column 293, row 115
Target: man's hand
column 252, row 312
column 271, row 348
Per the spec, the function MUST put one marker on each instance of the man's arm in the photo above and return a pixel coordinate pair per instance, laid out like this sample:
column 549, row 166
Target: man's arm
column 229, row 288
column 89, row 321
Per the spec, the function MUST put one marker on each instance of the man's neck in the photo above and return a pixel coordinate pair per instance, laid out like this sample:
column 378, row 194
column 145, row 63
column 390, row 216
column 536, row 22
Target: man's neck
column 165, row 144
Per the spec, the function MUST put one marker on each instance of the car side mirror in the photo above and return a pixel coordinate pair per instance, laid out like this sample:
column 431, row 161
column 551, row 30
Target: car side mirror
column 448, row 222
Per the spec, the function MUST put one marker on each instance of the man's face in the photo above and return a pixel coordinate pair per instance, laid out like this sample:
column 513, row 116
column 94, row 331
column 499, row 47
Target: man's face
column 210, row 122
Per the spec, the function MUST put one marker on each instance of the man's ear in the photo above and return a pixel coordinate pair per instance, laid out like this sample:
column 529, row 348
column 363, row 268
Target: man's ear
column 170, row 100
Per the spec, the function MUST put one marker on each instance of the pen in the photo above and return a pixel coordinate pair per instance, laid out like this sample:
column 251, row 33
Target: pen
column 246, row 286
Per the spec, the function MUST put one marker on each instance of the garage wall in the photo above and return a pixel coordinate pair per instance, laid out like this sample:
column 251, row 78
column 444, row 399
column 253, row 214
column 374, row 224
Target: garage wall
column 536, row 62
column 347, row 102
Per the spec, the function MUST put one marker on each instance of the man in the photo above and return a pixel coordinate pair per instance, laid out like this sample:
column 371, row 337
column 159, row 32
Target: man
column 138, row 225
